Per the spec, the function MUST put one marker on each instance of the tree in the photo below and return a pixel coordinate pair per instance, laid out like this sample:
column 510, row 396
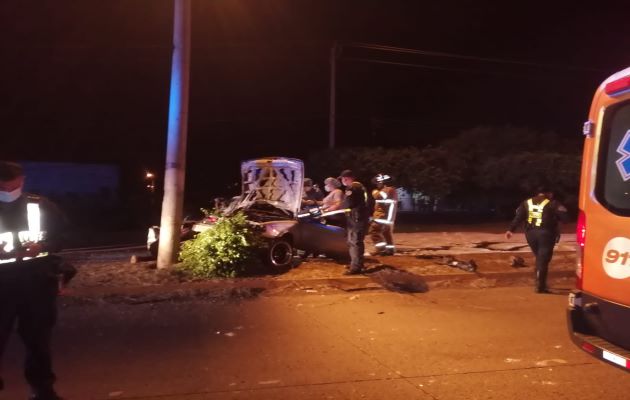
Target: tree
column 481, row 168
column 429, row 170
column 520, row 174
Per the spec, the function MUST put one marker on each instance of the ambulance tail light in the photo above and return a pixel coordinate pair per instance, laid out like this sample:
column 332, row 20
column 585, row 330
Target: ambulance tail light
column 618, row 87
column 586, row 346
column 581, row 240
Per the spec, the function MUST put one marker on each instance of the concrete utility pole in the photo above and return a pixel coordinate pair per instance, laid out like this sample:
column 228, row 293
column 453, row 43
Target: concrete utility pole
column 332, row 118
column 175, row 169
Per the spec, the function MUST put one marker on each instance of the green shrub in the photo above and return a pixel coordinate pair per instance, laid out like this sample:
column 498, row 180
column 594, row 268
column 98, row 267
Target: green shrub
column 230, row 248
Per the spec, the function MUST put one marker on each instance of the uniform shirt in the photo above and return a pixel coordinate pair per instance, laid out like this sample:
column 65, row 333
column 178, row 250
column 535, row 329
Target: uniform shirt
column 14, row 218
column 553, row 213
column 310, row 198
column 313, row 194
column 381, row 210
column 356, row 201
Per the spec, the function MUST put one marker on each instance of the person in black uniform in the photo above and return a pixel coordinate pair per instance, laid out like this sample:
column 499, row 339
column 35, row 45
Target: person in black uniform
column 311, row 194
column 542, row 215
column 357, row 220
column 30, row 229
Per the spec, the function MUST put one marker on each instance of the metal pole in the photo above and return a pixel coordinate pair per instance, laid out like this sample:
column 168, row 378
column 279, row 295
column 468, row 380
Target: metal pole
column 175, row 168
column 333, row 97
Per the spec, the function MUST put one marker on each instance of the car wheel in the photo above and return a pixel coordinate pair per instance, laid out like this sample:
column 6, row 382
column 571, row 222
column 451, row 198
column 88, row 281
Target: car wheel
column 280, row 253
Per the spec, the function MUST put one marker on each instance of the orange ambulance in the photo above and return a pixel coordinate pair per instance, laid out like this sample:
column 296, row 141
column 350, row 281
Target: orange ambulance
column 599, row 308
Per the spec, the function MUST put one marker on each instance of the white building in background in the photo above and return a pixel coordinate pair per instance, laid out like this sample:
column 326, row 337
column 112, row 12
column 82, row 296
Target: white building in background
column 413, row 201
column 405, row 200
column 57, row 179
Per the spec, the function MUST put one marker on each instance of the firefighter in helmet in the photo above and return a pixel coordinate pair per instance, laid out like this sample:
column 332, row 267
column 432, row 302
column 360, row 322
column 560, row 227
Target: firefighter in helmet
column 385, row 206
column 30, row 229
column 541, row 215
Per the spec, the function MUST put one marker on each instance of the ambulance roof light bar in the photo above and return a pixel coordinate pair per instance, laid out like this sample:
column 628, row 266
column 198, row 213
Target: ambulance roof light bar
column 618, row 87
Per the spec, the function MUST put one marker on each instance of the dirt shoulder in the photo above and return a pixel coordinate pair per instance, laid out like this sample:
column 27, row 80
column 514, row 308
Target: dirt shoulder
column 110, row 276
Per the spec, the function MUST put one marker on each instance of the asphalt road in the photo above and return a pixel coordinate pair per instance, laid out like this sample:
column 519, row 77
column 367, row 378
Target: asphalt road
column 499, row 343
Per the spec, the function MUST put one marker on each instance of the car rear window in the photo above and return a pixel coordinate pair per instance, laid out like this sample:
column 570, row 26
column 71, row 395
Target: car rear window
column 613, row 176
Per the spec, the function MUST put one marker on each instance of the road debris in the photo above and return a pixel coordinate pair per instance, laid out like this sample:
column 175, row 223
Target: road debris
column 545, row 363
column 517, row 262
column 271, row 382
column 398, row 280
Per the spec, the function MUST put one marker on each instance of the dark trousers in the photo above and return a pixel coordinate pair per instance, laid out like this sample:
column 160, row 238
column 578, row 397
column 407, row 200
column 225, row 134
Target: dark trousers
column 356, row 246
column 542, row 242
column 28, row 298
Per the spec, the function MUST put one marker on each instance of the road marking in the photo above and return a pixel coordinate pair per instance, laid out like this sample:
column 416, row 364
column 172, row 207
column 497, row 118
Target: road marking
column 269, row 382
column 545, row 363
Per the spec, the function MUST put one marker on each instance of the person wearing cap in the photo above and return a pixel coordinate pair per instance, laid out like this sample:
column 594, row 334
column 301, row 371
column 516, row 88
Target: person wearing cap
column 30, row 231
column 332, row 201
column 541, row 215
column 356, row 220
column 311, row 194
column 382, row 224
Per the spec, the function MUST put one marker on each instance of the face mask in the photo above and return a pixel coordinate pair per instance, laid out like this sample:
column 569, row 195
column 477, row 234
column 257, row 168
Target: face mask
column 9, row 197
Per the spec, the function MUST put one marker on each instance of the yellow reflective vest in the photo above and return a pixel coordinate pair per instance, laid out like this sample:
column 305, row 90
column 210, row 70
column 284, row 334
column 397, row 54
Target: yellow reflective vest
column 535, row 211
column 11, row 243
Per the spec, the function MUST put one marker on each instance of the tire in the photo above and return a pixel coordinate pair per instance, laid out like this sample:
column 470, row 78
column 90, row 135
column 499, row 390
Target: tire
column 280, row 254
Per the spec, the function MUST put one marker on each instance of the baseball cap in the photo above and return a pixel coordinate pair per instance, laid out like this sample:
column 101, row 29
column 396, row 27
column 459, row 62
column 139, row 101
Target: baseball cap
column 346, row 173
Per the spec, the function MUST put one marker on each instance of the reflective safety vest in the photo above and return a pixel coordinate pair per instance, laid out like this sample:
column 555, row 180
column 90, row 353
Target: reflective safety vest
column 12, row 242
column 535, row 212
column 386, row 205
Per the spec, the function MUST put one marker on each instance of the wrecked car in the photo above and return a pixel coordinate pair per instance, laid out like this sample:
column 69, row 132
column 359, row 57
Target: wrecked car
column 271, row 196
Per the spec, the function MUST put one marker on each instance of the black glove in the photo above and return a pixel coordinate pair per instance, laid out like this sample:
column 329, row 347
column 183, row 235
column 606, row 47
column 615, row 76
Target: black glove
column 67, row 272
column 64, row 269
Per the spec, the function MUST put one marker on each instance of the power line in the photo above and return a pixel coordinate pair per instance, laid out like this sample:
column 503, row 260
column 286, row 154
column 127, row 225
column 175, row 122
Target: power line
column 424, row 66
column 302, row 43
column 450, row 69
column 402, row 50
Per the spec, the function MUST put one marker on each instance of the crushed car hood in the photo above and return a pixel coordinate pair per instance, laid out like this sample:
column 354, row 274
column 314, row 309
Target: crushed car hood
column 276, row 181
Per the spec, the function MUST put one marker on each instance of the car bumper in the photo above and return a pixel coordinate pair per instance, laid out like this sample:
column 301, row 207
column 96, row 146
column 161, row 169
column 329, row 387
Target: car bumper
column 588, row 317
column 153, row 234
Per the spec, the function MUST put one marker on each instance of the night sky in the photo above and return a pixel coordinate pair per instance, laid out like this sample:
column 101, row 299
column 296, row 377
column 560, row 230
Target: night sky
column 87, row 81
